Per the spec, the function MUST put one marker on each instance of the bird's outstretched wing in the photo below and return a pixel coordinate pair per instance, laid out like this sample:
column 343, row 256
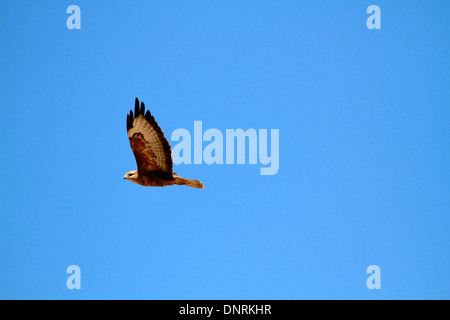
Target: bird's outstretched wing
column 151, row 149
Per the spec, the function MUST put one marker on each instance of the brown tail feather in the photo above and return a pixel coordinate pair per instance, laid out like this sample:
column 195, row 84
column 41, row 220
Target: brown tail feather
column 188, row 182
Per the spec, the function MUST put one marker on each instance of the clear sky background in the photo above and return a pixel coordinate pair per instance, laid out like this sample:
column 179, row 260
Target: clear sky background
column 364, row 173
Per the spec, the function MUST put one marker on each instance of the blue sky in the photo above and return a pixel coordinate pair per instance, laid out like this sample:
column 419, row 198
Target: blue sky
column 363, row 117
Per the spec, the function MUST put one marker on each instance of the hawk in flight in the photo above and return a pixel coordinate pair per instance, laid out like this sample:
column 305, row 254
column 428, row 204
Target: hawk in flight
column 152, row 152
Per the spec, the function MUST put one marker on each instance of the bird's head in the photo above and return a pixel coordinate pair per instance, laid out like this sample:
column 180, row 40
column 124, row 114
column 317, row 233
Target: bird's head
column 131, row 175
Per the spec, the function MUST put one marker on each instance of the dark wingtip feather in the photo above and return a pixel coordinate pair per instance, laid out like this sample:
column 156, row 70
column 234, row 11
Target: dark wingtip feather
column 136, row 109
column 137, row 112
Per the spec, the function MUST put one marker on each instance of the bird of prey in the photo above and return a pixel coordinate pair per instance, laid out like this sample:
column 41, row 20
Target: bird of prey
column 152, row 152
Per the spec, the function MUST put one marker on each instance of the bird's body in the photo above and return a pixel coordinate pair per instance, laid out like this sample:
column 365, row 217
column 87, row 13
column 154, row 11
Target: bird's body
column 152, row 152
column 160, row 179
